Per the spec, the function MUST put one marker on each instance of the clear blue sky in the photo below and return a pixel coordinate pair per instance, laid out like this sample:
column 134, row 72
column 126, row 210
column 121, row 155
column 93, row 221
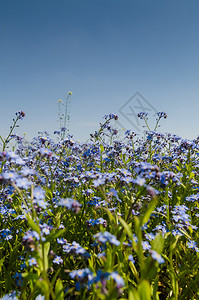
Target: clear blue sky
column 102, row 51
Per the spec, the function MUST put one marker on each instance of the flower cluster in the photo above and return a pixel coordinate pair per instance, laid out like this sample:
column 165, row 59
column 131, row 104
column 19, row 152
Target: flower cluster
column 101, row 219
column 104, row 237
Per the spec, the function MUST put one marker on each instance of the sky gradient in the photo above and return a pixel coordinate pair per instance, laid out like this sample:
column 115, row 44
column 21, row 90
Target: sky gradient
column 103, row 52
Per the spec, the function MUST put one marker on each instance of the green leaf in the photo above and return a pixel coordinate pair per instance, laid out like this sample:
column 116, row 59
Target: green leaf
column 32, row 224
column 109, row 256
column 46, row 250
column 42, row 285
column 55, row 276
column 111, row 218
column 144, row 290
column 101, row 148
column 91, row 263
column 129, row 232
column 126, row 227
column 1, row 261
column 148, row 211
column 30, row 275
column 54, row 235
column 42, row 258
column 158, row 243
column 173, row 244
column 185, row 233
column 155, row 290
column 133, row 294
column 133, row 269
column 49, row 194
column 59, row 293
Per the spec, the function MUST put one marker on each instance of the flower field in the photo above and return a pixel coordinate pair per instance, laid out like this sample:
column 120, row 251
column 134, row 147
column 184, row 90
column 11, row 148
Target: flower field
column 106, row 219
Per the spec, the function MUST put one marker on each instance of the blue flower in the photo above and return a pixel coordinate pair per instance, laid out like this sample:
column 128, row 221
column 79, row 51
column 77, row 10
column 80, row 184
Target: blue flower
column 45, row 230
column 192, row 198
column 38, row 193
column 98, row 182
column 32, row 261
column 142, row 115
column 11, row 296
column 8, row 237
column 12, row 155
column 61, row 241
column 146, row 245
column 101, row 254
column 127, row 179
column 42, row 203
column 58, row 260
column 70, row 203
column 100, row 276
column 23, row 183
column 45, row 152
column 156, row 256
column 40, row 297
column 106, row 236
column 19, row 278
column 94, row 201
column 124, row 172
column 74, row 248
column 131, row 258
column 176, row 232
column 192, row 245
column 118, row 279
column 25, row 171
column 140, row 181
column 162, row 115
column 20, row 114
column 6, row 234
column 81, row 273
column 149, row 236
column 93, row 222
column 9, row 176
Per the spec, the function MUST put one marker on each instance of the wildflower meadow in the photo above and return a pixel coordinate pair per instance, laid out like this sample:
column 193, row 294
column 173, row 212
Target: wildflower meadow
column 111, row 218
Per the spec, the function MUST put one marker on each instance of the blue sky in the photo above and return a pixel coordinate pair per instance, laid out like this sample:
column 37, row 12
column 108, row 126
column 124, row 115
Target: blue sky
column 103, row 52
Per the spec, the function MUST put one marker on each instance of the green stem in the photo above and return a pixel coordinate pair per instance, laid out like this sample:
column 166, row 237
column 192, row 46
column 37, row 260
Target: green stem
column 7, row 139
